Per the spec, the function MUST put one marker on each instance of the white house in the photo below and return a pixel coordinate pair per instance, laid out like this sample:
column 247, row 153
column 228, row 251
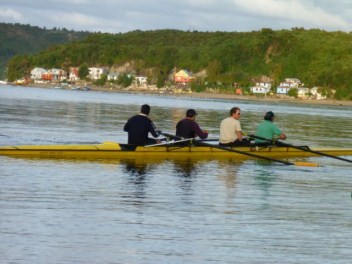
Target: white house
column 286, row 85
column 113, row 76
column 73, row 76
column 36, row 73
column 316, row 94
column 141, row 80
column 57, row 74
column 261, row 88
column 96, row 72
column 303, row 92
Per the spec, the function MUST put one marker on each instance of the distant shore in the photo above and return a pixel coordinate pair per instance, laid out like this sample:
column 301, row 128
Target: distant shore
column 205, row 95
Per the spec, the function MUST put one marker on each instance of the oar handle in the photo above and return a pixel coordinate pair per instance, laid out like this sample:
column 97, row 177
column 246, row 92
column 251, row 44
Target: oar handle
column 262, row 138
column 169, row 143
column 174, row 137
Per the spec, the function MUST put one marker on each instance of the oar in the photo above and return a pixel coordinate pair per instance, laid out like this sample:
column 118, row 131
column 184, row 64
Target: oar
column 245, row 153
column 298, row 163
column 174, row 137
column 302, row 148
column 169, row 142
column 209, row 140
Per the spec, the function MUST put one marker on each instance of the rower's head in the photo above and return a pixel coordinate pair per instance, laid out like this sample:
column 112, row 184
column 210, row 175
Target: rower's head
column 191, row 113
column 145, row 109
column 269, row 116
column 235, row 112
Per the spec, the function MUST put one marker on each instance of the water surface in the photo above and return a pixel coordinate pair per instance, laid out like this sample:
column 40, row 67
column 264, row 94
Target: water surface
column 168, row 211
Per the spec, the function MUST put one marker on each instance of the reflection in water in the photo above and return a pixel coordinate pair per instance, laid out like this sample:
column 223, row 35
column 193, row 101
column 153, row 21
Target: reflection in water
column 136, row 172
column 228, row 172
column 264, row 179
column 134, row 167
column 186, row 168
column 187, row 172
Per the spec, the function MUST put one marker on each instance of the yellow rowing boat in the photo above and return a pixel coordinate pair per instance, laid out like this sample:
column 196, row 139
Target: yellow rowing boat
column 111, row 150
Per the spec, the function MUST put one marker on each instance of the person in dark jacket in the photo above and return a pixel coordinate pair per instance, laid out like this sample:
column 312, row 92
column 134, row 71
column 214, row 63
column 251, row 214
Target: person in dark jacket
column 189, row 128
column 138, row 128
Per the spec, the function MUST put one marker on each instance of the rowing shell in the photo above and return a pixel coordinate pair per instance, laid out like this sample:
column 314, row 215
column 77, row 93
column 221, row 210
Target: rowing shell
column 111, row 150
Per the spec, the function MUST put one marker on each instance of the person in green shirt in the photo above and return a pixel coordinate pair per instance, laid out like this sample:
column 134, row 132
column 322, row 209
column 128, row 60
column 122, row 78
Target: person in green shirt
column 267, row 129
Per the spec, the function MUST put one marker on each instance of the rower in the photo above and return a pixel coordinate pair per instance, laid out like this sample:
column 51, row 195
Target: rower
column 189, row 128
column 267, row 129
column 230, row 130
column 139, row 126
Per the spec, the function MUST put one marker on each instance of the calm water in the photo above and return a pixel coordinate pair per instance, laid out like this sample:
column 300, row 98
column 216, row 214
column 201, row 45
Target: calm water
column 165, row 211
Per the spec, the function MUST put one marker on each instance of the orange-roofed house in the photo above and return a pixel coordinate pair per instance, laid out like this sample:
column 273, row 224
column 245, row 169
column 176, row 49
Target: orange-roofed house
column 183, row 76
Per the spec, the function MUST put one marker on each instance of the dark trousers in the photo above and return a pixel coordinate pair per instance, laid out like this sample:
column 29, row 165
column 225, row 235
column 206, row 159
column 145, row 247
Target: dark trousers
column 244, row 143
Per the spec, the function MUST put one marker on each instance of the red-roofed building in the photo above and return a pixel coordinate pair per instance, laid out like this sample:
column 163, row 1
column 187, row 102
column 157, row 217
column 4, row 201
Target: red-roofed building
column 183, row 76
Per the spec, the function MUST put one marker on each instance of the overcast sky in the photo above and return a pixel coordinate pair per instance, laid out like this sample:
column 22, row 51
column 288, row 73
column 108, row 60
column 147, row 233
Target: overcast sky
column 203, row 15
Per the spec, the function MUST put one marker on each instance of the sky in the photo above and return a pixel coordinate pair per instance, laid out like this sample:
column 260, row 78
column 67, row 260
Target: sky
column 115, row 16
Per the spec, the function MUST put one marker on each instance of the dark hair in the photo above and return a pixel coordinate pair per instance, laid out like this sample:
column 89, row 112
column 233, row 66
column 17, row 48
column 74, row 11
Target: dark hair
column 269, row 116
column 234, row 110
column 191, row 112
column 145, row 109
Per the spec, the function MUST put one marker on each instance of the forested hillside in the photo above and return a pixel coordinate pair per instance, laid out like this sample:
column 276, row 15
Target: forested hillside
column 18, row 39
column 316, row 57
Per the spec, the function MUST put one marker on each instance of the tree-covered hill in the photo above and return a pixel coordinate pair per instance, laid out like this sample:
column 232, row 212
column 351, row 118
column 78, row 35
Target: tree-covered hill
column 316, row 57
column 18, row 39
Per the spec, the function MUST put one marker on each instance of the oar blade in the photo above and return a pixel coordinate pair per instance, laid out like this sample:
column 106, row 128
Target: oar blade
column 305, row 164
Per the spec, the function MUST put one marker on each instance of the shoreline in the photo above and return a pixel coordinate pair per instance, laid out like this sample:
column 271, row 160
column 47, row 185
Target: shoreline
column 205, row 95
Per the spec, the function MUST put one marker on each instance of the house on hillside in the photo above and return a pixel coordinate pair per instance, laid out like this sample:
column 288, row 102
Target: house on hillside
column 303, row 92
column 36, row 73
column 55, row 75
column 288, row 84
column 316, row 94
column 96, row 72
column 183, row 77
column 73, row 76
column 141, row 80
column 113, row 76
column 261, row 88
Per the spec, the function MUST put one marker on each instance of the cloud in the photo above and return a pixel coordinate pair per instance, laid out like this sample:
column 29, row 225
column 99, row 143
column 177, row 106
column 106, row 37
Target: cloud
column 301, row 13
column 10, row 14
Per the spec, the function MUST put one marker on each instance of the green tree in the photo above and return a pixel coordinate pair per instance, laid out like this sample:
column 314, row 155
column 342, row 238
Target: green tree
column 213, row 71
column 19, row 67
column 83, row 71
column 293, row 92
column 102, row 80
column 125, row 80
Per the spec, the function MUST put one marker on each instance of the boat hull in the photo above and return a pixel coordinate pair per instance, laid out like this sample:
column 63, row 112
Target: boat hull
column 112, row 150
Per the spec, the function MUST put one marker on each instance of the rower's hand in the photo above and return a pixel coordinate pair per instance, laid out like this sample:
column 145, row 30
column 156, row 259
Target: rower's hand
column 159, row 132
